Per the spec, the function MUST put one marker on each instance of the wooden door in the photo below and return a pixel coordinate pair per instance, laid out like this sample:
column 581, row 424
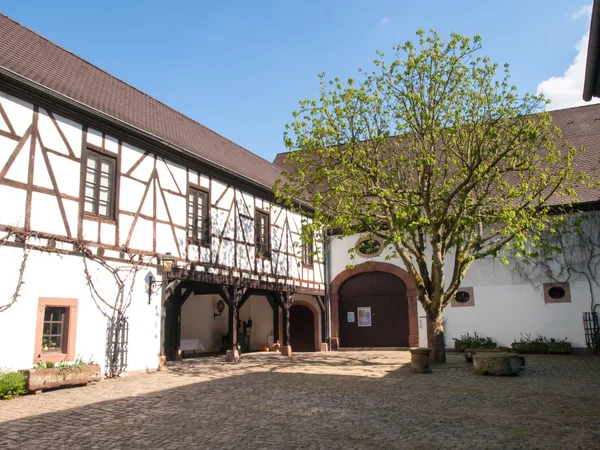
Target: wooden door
column 302, row 329
column 381, row 294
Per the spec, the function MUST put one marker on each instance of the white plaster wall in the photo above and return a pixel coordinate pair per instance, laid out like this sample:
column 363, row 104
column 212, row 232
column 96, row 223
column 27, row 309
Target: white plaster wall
column 198, row 321
column 49, row 275
column 258, row 309
column 505, row 306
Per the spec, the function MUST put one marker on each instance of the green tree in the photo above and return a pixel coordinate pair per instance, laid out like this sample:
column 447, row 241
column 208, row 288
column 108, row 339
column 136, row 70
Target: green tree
column 436, row 154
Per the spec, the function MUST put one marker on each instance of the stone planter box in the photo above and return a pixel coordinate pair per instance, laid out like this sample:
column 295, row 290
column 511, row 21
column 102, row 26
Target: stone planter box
column 559, row 347
column 542, row 347
column 42, row 379
column 461, row 346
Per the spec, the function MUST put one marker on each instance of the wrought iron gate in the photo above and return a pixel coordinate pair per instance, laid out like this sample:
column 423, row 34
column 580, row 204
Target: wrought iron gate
column 117, row 339
column 592, row 330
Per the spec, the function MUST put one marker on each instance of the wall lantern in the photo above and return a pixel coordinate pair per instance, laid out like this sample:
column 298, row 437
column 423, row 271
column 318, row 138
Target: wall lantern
column 167, row 265
column 168, row 261
column 220, row 308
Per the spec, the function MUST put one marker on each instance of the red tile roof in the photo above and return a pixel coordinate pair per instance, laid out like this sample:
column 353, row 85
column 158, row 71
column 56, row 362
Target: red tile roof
column 34, row 57
column 580, row 127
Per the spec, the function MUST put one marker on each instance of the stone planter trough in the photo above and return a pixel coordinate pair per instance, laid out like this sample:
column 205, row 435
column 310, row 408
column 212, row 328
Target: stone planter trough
column 42, row 379
column 497, row 364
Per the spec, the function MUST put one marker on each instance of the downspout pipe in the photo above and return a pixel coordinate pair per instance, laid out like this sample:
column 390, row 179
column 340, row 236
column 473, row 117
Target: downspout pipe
column 327, row 276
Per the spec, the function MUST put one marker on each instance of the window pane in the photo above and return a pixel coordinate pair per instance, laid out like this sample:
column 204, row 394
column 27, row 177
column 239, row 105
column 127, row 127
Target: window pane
column 105, row 180
column 89, row 206
column 92, row 162
column 55, row 342
column 103, row 209
column 90, row 176
column 104, row 195
column 89, row 190
column 55, row 328
column 106, row 166
column 199, row 228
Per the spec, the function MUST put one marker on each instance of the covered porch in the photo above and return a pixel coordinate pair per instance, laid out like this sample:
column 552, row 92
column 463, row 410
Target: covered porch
column 211, row 312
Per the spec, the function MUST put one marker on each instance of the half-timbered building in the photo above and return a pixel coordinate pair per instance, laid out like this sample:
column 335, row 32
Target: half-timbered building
column 100, row 185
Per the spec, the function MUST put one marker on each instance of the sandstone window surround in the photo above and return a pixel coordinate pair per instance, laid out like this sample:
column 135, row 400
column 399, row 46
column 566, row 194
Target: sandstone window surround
column 369, row 246
column 56, row 322
column 557, row 293
column 464, row 297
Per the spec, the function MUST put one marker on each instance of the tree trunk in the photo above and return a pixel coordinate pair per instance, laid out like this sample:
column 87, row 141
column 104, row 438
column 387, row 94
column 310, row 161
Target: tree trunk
column 435, row 337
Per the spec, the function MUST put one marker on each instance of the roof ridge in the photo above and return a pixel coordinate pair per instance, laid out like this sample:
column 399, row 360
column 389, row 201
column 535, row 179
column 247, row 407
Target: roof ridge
column 587, row 105
column 136, row 89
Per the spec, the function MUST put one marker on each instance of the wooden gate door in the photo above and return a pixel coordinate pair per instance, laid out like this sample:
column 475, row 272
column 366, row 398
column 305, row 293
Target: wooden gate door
column 302, row 329
column 373, row 311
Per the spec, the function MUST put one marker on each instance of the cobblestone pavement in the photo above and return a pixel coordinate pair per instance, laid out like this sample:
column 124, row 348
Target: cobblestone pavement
column 334, row 400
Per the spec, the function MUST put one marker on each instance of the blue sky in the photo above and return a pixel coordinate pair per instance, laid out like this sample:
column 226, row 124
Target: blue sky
column 240, row 67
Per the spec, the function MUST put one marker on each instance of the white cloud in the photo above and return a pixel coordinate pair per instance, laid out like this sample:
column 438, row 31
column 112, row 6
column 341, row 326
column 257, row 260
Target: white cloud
column 385, row 21
column 566, row 91
column 585, row 11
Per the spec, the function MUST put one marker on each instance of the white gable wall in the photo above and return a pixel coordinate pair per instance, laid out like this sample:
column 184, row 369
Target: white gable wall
column 505, row 305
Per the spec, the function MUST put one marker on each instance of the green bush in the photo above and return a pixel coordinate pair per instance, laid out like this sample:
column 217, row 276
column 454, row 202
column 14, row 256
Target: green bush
column 475, row 341
column 12, row 384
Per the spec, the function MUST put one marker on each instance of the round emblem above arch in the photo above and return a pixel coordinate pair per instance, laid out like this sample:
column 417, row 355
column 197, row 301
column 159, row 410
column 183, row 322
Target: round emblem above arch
column 369, row 246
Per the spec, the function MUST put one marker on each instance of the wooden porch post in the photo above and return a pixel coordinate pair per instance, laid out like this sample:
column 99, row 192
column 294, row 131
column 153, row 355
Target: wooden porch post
column 276, row 324
column 286, row 326
column 232, row 340
column 287, row 299
column 232, row 295
column 271, row 298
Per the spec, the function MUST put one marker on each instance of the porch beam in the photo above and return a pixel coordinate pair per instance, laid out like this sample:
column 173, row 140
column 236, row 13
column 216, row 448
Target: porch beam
column 246, row 296
column 185, row 295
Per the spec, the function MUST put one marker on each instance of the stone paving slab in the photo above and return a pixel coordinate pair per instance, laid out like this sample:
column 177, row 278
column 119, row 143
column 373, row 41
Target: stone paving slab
column 349, row 400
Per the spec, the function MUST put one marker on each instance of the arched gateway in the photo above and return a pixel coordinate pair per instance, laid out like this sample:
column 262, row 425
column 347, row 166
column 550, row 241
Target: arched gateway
column 374, row 305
